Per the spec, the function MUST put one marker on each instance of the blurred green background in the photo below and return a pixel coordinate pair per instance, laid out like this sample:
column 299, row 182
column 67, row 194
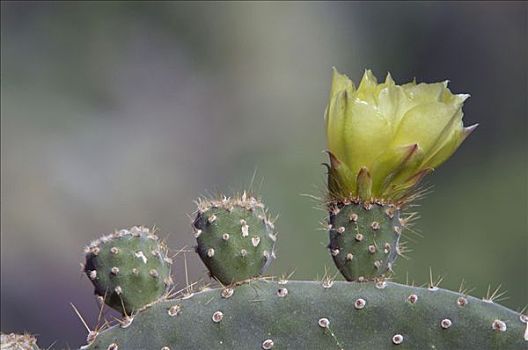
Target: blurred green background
column 121, row 113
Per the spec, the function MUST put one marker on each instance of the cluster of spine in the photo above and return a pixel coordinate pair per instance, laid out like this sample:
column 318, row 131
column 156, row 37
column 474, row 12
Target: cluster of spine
column 265, row 314
column 14, row 341
column 364, row 238
column 129, row 268
column 236, row 238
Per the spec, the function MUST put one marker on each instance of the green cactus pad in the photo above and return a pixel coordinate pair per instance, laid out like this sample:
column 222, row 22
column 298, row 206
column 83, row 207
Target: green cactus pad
column 235, row 238
column 364, row 238
column 129, row 268
column 313, row 315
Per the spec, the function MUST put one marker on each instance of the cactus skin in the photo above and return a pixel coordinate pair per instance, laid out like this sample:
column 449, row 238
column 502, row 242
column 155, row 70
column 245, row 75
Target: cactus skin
column 364, row 238
column 235, row 238
column 129, row 268
column 291, row 316
column 14, row 341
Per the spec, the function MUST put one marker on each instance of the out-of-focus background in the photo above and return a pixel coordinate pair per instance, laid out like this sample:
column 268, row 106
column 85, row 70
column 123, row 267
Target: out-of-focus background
column 121, row 113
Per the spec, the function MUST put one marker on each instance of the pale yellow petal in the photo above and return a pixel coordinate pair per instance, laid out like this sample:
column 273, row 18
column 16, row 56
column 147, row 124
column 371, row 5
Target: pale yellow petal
column 423, row 124
column 340, row 82
column 367, row 134
column 335, row 128
column 366, row 90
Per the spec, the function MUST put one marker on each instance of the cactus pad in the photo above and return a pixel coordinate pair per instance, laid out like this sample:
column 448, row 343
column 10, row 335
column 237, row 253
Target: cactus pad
column 313, row 315
column 129, row 268
column 235, row 238
column 364, row 238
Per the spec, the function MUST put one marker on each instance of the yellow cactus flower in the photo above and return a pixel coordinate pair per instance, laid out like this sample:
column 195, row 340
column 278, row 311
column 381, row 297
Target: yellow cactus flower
column 383, row 138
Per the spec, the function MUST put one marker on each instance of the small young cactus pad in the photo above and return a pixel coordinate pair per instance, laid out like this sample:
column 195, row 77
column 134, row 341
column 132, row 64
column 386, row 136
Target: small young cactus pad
column 235, row 238
column 129, row 268
column 312, row 315
column 364, row 238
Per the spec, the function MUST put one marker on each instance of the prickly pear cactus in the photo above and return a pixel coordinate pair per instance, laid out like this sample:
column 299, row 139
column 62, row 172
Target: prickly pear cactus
column 314, row 315
column 364, row 238
column 382, row 140
column 129, row 268
column 379, row 151
column 236, row 239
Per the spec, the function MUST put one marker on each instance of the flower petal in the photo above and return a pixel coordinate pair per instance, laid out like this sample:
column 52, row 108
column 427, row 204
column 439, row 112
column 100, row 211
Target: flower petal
column 449, row 147
column 367, row 87
column 367, row 134
column 424, row 123
column 389, row 164
column 335, row 128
